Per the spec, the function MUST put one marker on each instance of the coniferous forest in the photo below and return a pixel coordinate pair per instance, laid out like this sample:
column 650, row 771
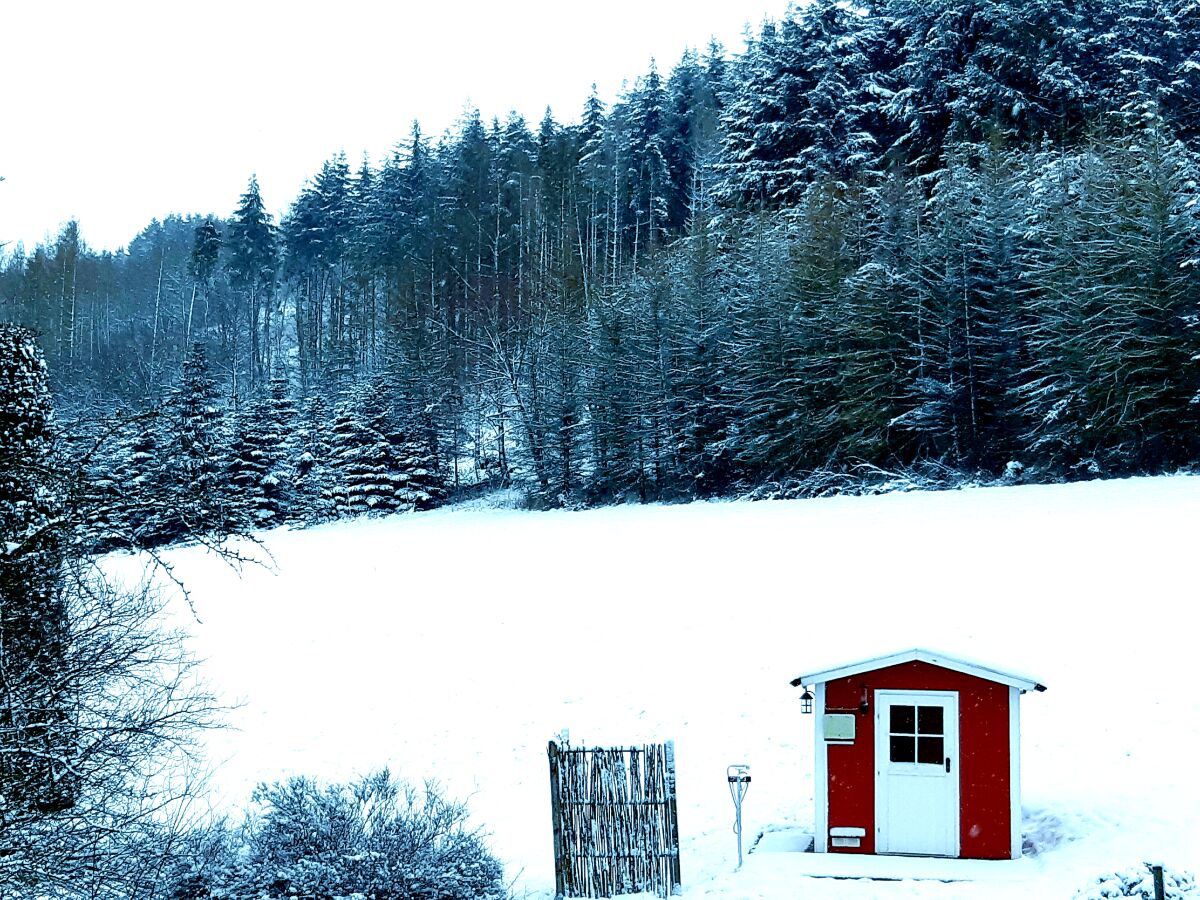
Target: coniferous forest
column 958, row 239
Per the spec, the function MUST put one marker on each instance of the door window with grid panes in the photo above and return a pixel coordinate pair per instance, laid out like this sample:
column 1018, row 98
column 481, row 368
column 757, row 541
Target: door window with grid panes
column 916, row 734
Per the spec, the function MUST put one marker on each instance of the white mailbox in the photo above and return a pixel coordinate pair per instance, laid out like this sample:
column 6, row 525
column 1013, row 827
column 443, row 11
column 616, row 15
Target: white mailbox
column 839, row 728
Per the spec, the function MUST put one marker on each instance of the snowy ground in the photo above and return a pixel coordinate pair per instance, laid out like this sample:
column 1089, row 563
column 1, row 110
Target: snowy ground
column 453, row 645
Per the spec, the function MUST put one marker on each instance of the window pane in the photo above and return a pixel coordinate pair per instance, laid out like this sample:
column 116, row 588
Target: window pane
column 903, row 749
column 929, row 720
column 930, row 750
column 903, row 719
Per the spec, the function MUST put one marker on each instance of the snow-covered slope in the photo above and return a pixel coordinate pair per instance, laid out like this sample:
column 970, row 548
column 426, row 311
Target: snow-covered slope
column 452, row 645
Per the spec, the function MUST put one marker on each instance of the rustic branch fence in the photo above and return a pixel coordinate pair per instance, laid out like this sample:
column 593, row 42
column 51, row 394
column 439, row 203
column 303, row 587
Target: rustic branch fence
column 616, row 829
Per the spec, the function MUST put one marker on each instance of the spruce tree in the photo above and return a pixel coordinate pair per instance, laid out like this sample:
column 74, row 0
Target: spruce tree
column 420, row 481
column 310, row 456
column 144, row 503
column 703, row 328
column 646, row 157
column 260, row 474
column 252, row 265
column 195, row 468
column 368, row 473
column 206, row 247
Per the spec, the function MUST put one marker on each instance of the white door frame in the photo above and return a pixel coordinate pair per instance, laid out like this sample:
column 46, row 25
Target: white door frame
column 1014, row 768
column 881, row 760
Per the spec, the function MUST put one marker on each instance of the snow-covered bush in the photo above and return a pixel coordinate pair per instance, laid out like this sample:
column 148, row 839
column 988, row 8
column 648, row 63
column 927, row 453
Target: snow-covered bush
column 1138, row 882
column 377, row 837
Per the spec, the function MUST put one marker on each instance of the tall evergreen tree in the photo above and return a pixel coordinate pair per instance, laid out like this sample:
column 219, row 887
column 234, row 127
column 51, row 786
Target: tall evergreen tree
column 197, row 458
column 310, row 454
column 260, row 474
column 206, row 247
column 646, row 159
column 368, row 475
column 35, row 745
column 252, row 267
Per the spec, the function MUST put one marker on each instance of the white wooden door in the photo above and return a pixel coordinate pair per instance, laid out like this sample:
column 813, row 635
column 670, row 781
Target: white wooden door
column 916, row 772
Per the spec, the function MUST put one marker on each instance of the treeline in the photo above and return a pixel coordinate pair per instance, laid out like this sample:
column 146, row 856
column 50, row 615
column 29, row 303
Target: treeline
column 962, row 234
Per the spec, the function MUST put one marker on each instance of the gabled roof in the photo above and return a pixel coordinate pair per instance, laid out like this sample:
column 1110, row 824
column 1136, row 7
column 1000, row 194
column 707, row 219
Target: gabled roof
column 979, row 670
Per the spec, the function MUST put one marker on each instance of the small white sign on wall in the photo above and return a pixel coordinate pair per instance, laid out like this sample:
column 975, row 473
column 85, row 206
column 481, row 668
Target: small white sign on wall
column 839, row 727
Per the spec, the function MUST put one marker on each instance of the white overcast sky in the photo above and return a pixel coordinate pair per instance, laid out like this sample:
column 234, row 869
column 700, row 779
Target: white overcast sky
column 119, row 111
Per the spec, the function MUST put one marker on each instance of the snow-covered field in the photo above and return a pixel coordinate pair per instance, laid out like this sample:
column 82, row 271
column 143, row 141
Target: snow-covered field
column 453, row 645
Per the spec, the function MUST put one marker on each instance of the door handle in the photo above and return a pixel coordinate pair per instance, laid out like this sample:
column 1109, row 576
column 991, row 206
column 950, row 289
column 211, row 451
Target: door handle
column 947, row 764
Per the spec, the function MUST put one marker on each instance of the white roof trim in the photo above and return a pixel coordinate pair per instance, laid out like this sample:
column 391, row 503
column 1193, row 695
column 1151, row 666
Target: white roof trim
column 979, row 670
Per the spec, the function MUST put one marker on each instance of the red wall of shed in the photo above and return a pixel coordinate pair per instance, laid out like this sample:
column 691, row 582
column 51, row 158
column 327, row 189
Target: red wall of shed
column 983, row 765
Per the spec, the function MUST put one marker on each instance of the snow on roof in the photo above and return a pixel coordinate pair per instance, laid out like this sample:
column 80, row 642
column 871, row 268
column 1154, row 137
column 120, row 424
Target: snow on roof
column 945, row 660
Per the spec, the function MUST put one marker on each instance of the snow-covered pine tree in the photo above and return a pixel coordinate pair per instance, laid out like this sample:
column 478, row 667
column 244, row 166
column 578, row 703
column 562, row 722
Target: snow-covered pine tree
column 35, row 737
column 206, row 248
column 123, row 494
column 747, row 120
column 765, row 355
column 627, row 388
column 196, row 461
column 252, row 265
column 802, row 105
column 470, row 180
column 365, row 461
column 1181, row 56
column 278, row 426
column 969, row 354
column 243, row 473
column 701, row 334
column 565, row 397
column 420, row 479
column 810, row 351
column 259, row 473
column 593, row 170
column 314, row 489
column 332, row 231
column 645, row 152
column 144, row 504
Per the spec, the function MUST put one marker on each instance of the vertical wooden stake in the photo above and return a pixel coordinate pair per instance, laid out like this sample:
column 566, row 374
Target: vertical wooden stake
column 673, row 813
column 1159, row 890
column 556, row 818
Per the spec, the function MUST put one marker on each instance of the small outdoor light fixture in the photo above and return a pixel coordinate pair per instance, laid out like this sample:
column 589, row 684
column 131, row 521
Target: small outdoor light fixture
column 806, row 702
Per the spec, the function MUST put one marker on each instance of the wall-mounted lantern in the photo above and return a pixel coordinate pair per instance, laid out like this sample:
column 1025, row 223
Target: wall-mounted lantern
column 806, row 702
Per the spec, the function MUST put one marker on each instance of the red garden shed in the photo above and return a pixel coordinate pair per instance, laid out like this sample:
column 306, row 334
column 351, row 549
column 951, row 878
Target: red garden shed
column 918, row 753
